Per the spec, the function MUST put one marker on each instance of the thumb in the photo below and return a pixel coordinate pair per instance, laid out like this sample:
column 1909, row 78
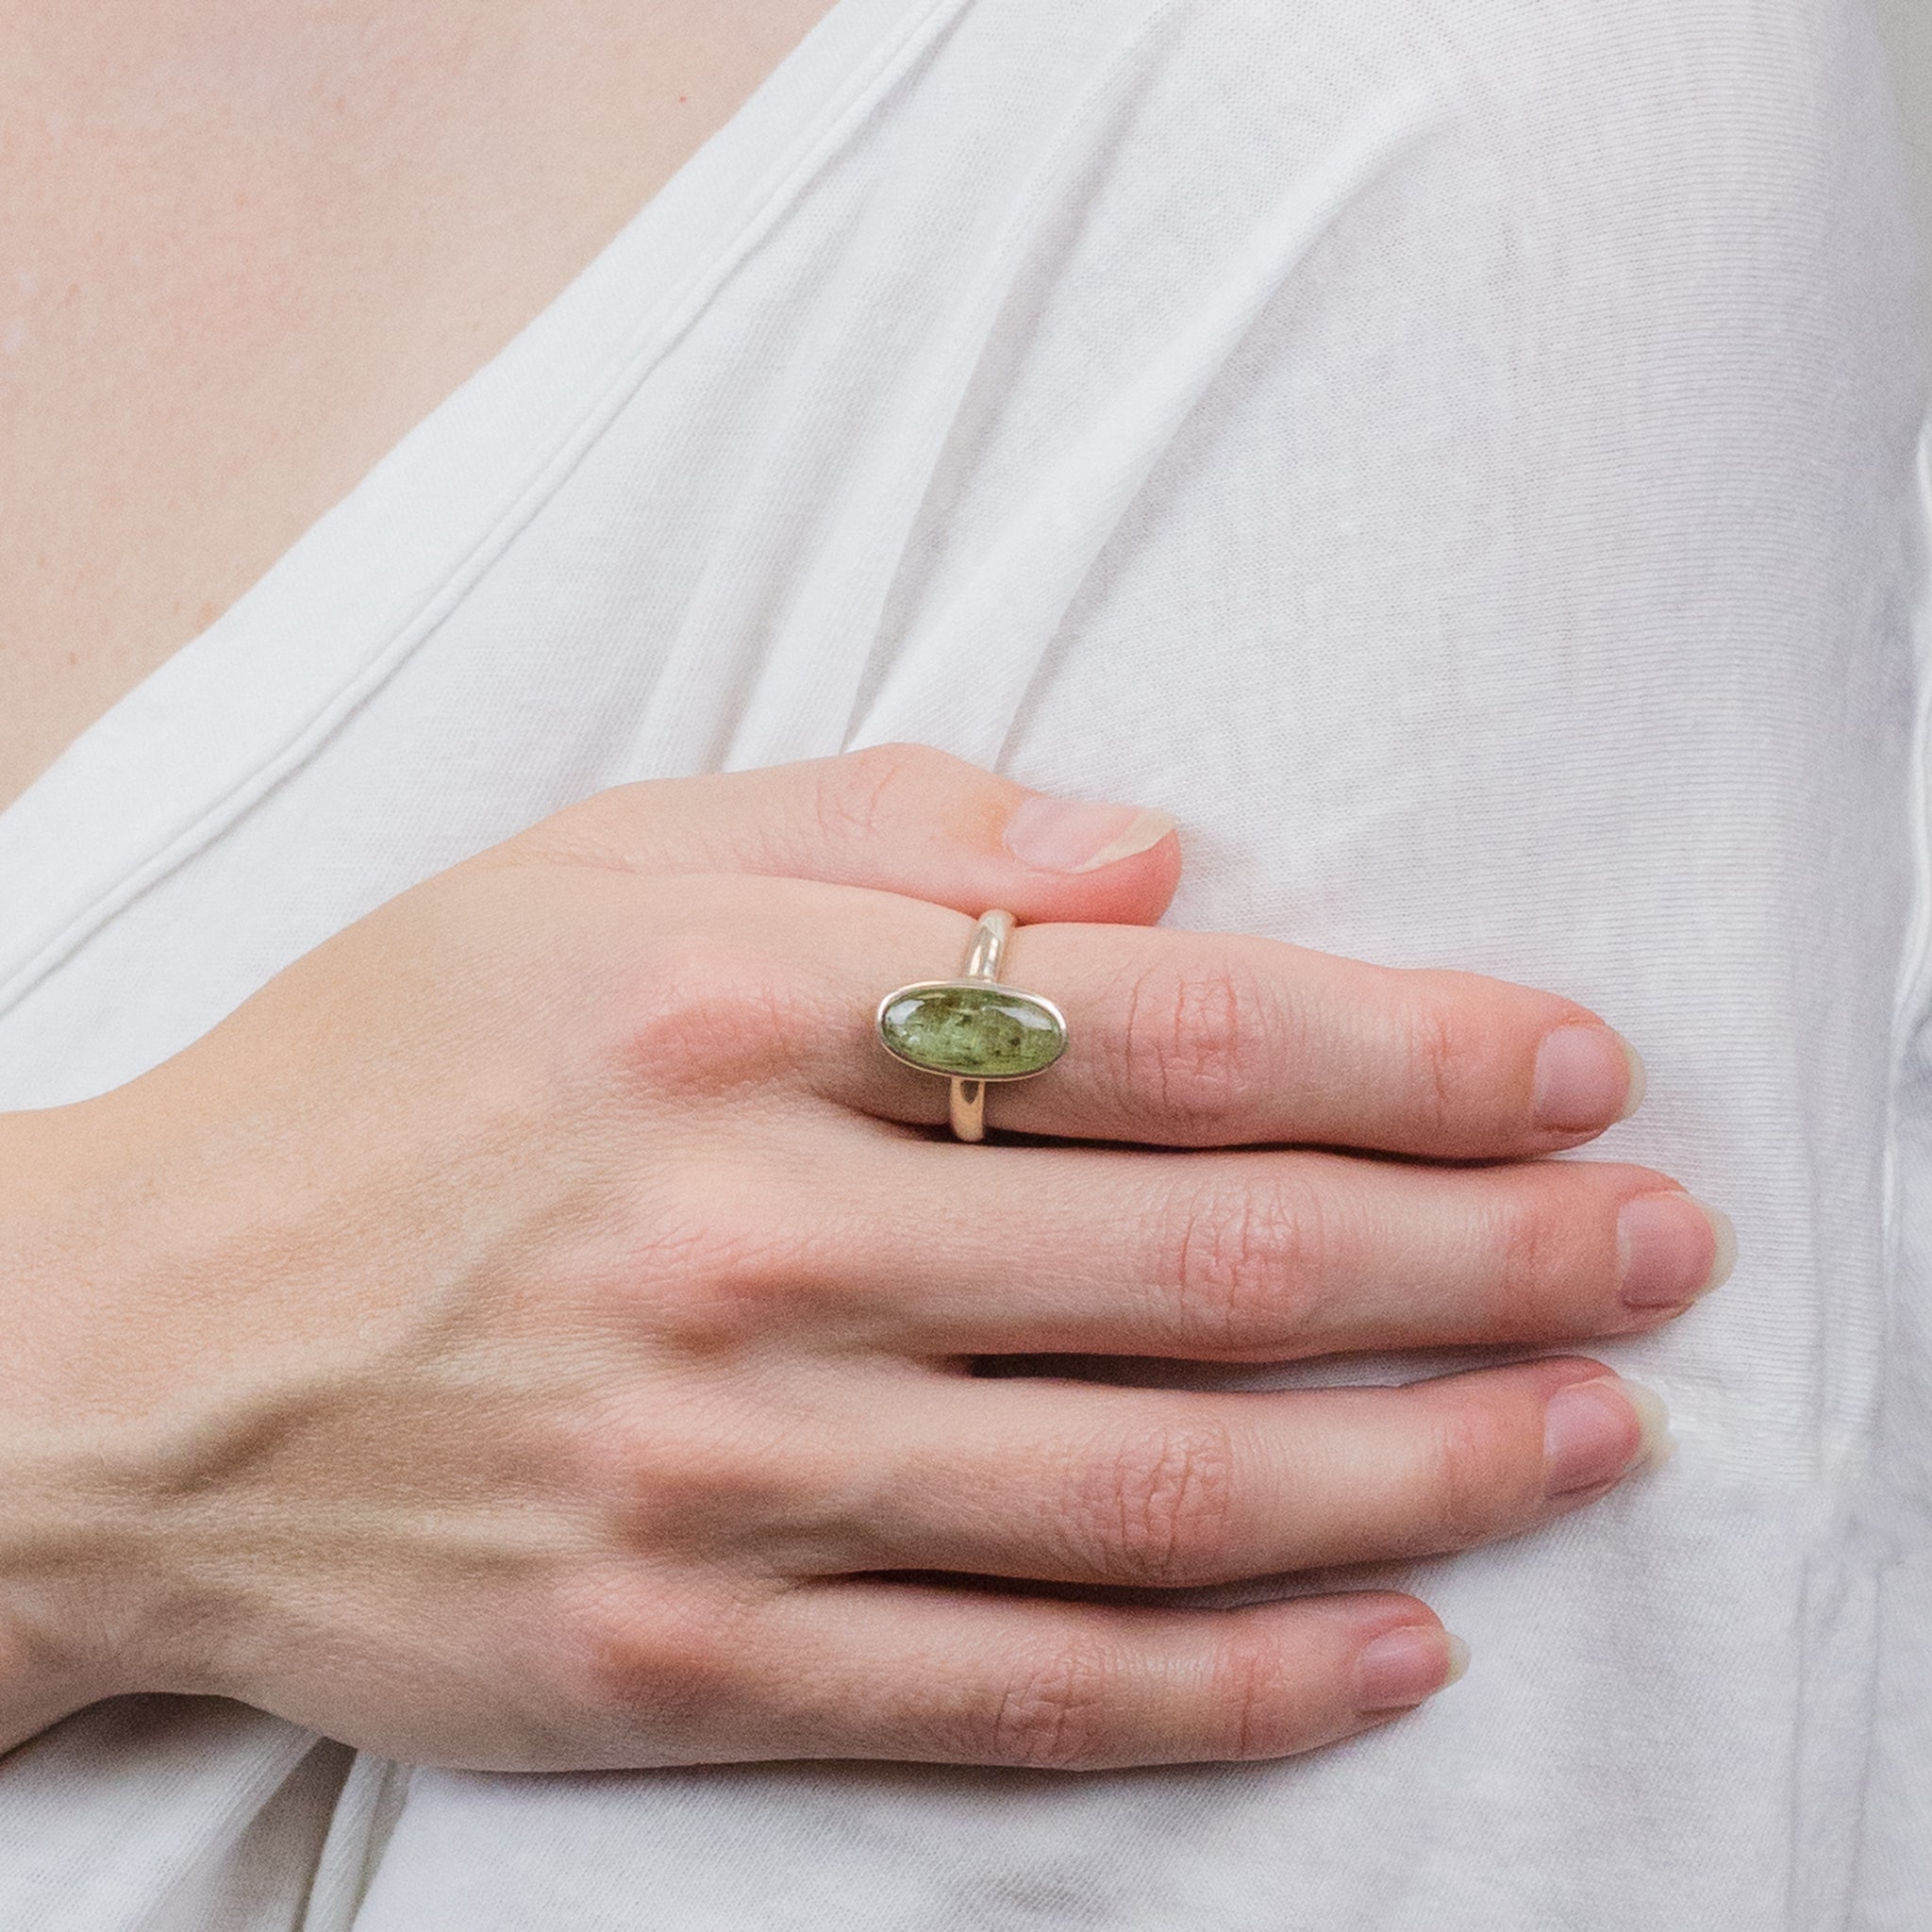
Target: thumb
column 901, row 818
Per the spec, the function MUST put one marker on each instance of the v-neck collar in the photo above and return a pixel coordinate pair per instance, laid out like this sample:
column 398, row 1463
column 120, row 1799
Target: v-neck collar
column 248, row 701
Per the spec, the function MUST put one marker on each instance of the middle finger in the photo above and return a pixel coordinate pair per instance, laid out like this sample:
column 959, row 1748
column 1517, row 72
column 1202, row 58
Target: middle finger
column 933, row 1250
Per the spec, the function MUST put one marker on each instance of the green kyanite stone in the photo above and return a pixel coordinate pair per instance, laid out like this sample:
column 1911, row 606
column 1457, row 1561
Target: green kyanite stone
column 974, row 1032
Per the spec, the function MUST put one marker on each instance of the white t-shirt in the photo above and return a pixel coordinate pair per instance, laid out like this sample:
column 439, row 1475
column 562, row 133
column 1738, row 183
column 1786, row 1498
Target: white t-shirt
column 1458, row 457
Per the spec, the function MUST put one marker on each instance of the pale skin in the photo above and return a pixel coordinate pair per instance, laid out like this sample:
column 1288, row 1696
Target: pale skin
column 222, row 220
column 540, row 1328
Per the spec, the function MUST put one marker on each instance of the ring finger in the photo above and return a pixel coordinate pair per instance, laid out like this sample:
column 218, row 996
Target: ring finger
column 1199, row 1040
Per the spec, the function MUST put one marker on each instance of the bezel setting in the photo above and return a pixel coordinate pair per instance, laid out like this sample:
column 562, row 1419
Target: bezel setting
column 992, row 992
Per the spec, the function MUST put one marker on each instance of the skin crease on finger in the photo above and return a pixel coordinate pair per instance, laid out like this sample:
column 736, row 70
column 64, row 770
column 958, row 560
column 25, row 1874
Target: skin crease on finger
column 417, row 1355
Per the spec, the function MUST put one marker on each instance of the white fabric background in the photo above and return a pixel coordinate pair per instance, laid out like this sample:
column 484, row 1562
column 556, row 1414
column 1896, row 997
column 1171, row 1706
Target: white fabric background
column 1458, row 458
column 1907, row 26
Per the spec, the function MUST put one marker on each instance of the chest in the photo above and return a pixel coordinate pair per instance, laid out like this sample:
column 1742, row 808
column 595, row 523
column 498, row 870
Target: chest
column 247, row 246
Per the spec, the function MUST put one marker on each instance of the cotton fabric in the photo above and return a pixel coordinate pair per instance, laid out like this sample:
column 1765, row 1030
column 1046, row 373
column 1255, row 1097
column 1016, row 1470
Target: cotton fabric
column 1461, row 459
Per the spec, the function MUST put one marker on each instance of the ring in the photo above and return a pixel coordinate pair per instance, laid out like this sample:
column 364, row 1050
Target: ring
column 972, row 1030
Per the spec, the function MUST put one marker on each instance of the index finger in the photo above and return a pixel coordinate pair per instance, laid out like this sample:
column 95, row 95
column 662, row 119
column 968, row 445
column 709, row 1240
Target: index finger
column 1192, row 1040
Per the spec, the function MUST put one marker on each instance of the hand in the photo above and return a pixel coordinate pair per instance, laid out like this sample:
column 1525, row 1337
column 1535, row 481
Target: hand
column 538, row 1329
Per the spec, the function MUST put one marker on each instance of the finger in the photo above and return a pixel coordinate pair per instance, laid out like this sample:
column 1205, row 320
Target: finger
column 872, row 1670
column 1076, row 1483
column 900, row 818
column 1197, row 1040
column 1237, row 1257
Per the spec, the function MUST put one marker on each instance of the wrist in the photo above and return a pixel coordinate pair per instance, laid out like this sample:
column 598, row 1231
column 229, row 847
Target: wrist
column 57, row 1540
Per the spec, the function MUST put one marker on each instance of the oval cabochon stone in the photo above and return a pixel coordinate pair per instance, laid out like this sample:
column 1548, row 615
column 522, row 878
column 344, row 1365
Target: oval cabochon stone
column 972, row 1032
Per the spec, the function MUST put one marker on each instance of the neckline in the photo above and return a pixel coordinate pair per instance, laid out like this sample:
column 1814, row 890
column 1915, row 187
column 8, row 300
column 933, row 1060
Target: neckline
column 250, row 699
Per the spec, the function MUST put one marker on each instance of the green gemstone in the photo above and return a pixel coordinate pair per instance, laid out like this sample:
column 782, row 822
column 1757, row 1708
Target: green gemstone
column 972, row 1032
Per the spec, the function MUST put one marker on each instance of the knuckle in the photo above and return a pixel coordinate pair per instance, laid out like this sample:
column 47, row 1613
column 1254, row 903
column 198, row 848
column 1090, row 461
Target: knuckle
column 720, row 1266
column 1194, row 1038
column 868, row 794
column 1054, row 1715
column 1466, row 1493
column 1528, row 1244
column 1252, row 1714
column 705, row 1013
column 1242, row 1260
column 1161, row 1508
column 666, row 1658
column 1438, row 1058
column 1450, row 1069
column 682, row 1478
column 640, row 1477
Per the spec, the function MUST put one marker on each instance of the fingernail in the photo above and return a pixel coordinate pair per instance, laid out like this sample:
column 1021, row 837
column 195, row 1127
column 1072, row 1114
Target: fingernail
column 1402, row 1667
column 1076, row 835
column 1597, row 1431
column 1672, row 1248
column 1587, row 1079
